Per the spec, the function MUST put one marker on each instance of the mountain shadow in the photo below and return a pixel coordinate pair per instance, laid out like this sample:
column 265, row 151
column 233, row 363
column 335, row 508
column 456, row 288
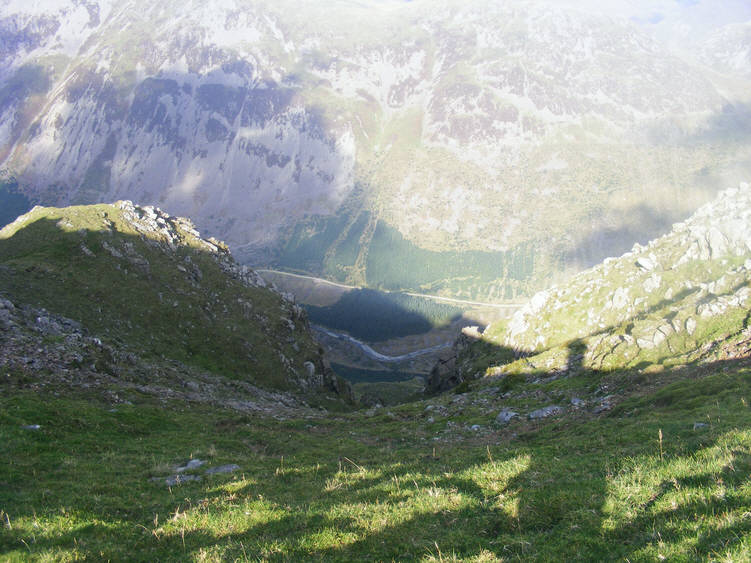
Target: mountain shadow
column 12, row 202
column 377, row 316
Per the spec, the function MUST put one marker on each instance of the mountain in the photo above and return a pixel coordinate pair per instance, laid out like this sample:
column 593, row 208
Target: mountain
column 729, row 48
column 122, row 287
column 683, row 298
column 489, row 146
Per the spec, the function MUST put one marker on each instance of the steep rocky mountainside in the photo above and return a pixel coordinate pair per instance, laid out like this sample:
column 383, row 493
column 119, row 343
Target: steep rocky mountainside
column 123, row 295
column 463, row 139
column 729, row 48
column 48, row 353
column 682, row 298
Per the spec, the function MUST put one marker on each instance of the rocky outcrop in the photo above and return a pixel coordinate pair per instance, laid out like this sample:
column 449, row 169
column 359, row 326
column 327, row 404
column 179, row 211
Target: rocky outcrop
column 452, row 369
column 653, row 298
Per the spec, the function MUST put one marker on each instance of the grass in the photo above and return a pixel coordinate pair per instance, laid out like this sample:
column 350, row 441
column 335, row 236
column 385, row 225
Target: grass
column 174, row 303
column 382, row 484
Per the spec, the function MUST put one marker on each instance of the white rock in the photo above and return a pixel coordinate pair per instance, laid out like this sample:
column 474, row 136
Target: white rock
column 505, row 416
column 620, row 298
column 645, row 263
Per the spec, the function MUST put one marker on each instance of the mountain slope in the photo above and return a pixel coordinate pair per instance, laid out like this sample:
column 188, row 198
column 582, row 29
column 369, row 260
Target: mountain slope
column 309, row 144
column 729, row 48
column 140, row 278
column 682, row 298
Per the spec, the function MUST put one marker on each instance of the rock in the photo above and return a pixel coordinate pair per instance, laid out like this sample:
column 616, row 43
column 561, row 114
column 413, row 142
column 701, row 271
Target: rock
column 230, row 468
column 698, row 425
column 658, row 338
column 605, row 405
column 173, row 480
column 505, row 416
column 718, row 244
column 620, row 298
column 644, row 344
column 545, row 412
column 472, row 332
column 443, row 376
column 690, row 325
column 652, row 283
column 578, row 403
column 310, row 368
column 112, row 250
column 4, row 318
column 476, row 427
column 192, row 464
column 645, row 263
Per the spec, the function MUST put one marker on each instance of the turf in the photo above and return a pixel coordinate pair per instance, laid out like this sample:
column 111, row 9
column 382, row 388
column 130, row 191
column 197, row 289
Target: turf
column 642, row 482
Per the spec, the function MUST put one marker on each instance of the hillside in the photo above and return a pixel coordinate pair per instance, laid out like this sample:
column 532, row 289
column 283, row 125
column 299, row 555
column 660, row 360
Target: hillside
column 312, row 147
column 149, row 290
column 566, row 453
column 683, row 298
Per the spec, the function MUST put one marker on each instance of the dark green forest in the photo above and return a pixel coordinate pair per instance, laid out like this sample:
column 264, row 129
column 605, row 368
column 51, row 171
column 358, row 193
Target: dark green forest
column 331, row 247
column 12, row 202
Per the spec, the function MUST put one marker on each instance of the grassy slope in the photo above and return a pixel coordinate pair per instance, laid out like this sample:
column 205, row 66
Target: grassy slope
column 377, row 486
column 180, row 305
column 641, row 481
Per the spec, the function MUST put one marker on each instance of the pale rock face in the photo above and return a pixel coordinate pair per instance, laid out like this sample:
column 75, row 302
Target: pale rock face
column 730, row 48
column 620, row 298
column 645, row 263
column 652, row 283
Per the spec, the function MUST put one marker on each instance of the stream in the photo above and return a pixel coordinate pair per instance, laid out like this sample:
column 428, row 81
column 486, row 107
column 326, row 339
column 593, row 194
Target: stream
column 377, row 355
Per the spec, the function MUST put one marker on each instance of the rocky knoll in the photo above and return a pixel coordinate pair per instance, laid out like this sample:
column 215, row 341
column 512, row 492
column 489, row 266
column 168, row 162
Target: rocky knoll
column 116, row 288
column 49, row 353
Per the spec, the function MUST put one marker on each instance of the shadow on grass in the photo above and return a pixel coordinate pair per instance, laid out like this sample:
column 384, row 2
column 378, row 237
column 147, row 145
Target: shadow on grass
column 385, row 494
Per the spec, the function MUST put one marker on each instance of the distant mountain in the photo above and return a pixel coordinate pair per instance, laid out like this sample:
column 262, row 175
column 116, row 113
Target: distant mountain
column 729, row 48
column 475, row 149
column 149, row 291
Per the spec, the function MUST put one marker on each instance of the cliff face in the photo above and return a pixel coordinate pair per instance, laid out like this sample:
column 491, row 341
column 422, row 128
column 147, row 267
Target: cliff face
column 442, row 130
column 141, row 280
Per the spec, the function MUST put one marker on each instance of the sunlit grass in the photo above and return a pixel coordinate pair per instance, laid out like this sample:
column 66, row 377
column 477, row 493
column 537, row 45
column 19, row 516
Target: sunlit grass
column 357, row 487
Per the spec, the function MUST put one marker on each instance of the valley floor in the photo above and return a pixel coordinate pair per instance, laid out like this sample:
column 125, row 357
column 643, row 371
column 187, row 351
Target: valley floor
column 663, row 474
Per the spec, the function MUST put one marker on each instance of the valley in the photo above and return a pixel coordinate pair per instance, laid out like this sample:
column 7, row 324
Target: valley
column 488, row 146
column 375, row 280
column 560, row 431
column 378, row 356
